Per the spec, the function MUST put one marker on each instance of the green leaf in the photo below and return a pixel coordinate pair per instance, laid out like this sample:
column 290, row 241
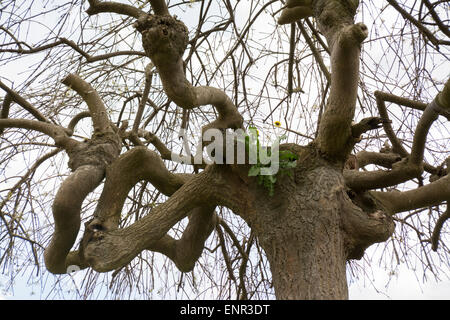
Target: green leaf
column 287, row 155
column 252, row 131
column 272, row 179
column 271, row 191
column 260, row 179
column 290, row 164
column 254, row 171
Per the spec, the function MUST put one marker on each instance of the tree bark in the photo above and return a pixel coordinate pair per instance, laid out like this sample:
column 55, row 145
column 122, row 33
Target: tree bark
column 314, row 223
column 303, row 238
column 312, row 226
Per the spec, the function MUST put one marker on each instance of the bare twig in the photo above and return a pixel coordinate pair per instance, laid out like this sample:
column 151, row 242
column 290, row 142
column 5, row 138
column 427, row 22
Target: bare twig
column 419, row 25
column 23, row 103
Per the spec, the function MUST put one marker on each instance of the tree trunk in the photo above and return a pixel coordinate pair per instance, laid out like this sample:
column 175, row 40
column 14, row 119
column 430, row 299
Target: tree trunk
column 307, row 261
column 304, row 240
column 311, row 227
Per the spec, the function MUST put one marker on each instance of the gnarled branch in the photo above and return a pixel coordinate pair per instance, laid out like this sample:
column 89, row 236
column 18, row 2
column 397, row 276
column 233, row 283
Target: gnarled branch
column 428, row 195
column 97, row 7
column 66, row 213
column 57, row 133
column 438, row 228
column 108, row 250
column 142, row 164
column 165, row 39
column 185, row 251
column 131, row 167
column 335, row 20
column 95, row 104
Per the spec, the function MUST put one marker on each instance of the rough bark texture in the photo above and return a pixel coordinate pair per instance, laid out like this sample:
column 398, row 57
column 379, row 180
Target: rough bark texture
column 165, row 39
column 301, row 233
column 318, row 219
column 311, row 227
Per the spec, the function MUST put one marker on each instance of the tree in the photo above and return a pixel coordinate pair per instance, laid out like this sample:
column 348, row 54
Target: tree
column 119, row 89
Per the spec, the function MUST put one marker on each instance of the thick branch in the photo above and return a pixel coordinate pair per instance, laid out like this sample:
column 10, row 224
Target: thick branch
column 400, row 100
column 384, row 96
column 94, row 102
column 428, row 195
column 159, row 6
column 113, row 249
column 386, row 160
column 143, row 164
column 186, row 251
column 420, row 135
column 165, row 39
column 216, row 185
column 365, row 222
column 97, row 7
column 401, row 172
column 66, row 213
column 294, row 13
column 133, row 166
column 58, row 133
column 438, row 227
column 344, row 39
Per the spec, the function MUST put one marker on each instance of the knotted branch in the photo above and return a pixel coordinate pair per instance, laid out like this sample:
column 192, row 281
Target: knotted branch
column 344, row 38
column 165, row 39
column 88, row 161
column 108, row 250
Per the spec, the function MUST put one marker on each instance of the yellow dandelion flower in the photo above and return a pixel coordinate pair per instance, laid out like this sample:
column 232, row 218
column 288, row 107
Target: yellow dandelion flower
column 277, row 124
